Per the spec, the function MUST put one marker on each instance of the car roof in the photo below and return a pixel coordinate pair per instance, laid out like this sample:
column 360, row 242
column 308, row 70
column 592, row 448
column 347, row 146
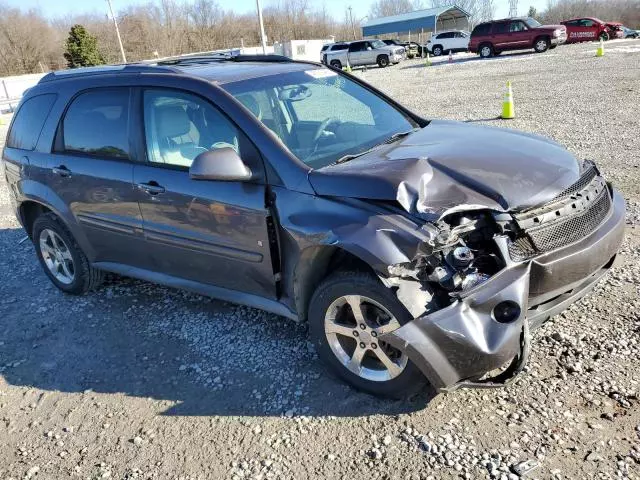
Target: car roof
column 219, row 70
column 584, row 18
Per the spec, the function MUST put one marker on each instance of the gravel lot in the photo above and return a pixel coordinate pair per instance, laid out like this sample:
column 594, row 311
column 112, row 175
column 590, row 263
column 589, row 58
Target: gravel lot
column 140, row 381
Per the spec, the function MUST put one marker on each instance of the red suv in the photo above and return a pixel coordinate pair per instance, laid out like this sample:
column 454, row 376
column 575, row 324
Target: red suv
column 492, row 38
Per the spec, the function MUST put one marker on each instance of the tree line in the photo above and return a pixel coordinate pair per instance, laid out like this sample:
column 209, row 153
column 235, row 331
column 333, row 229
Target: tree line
column 31, row 43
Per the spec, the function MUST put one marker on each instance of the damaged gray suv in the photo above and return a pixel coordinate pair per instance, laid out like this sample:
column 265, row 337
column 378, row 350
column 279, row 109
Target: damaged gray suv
column 417, row 250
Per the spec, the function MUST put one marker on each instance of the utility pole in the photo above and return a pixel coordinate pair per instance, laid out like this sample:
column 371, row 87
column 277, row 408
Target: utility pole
column 262, row 35
column 115, row 23
column 513, row 8
column 353, row 27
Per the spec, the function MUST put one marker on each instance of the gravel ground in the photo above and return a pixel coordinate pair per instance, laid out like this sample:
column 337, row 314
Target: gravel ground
column 141, row 381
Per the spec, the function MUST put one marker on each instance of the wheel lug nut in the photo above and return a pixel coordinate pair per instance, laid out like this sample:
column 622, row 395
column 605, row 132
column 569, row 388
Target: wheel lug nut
column 362, row 345
column 374, row 346
column 374, row 334
column 363, row 326
column 355, row 333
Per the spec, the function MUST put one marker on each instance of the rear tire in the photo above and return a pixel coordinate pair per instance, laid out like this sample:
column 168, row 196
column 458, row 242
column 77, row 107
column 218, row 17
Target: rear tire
column 329, row 309
column 383, row 61
column 61, row 258
column 486, row 50
column 336, row 64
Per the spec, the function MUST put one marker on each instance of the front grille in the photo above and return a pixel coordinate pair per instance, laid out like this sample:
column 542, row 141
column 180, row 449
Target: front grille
column 585, row 179
column 574, row 228
column 569, row 217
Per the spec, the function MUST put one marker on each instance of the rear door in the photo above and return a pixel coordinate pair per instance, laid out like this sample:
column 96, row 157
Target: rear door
column 358, row 53
column 500, row 36
column 91, row 171
column 211, row 232
column 460, row 41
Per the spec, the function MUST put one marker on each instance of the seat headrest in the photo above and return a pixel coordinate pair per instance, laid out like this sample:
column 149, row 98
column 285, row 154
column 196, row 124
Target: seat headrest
column 172, row 121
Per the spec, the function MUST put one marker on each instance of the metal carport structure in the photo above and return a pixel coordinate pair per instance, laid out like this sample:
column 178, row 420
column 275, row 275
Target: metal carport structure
column 430, row 20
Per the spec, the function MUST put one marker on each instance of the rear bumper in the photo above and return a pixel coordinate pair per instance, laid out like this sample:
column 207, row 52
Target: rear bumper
column 463, row 341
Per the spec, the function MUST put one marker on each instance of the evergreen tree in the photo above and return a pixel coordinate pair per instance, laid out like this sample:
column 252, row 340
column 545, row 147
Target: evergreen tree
column 82, row 49
column 533, row 13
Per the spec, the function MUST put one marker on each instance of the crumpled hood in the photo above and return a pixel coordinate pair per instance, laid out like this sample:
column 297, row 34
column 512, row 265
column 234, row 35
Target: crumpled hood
column 447, row 165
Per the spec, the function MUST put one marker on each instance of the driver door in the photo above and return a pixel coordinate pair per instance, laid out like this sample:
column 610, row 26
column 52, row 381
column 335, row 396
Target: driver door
column 211, row 232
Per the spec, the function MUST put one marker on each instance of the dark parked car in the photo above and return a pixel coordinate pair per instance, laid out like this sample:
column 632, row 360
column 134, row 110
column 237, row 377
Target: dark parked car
column 414, row 248
column 497, row 36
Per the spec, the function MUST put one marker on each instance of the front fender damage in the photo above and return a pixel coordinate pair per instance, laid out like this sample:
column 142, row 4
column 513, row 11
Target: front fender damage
column 458, row 344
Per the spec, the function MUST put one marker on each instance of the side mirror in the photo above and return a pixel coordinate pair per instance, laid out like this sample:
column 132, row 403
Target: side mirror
column 219, row 164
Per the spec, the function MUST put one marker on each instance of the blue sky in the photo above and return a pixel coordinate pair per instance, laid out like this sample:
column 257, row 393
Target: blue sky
column 61, row 8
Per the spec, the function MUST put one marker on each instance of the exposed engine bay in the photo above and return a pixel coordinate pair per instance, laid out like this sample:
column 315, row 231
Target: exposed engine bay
column 462, row 255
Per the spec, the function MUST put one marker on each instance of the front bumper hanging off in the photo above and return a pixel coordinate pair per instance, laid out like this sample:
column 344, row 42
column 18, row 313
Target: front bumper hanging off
column 459, row 344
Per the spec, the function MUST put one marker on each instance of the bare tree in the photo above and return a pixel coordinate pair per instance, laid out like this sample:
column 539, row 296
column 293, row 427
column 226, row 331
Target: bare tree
column 20, row 50
column 386, row 8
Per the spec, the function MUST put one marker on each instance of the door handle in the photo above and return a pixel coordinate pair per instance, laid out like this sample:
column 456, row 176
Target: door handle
column 152, row 188
column 61, row 171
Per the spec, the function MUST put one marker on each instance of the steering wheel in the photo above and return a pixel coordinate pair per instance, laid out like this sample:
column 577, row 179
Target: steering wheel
column 322, row 127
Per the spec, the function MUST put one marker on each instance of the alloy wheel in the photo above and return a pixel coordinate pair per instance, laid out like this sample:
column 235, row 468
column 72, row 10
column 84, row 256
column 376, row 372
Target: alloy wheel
column 353, row 325
column 56, row 256
column 541, row 45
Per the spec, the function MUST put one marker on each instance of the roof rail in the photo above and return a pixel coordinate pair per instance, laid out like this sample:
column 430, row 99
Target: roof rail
column 223, row 57
column 104, row 69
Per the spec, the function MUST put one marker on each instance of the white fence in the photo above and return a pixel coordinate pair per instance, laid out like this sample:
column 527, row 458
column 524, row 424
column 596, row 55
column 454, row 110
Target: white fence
column 12, row 89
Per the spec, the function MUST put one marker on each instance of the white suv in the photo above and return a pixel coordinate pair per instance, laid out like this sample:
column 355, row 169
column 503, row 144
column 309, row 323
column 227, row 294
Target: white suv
column 451, row 41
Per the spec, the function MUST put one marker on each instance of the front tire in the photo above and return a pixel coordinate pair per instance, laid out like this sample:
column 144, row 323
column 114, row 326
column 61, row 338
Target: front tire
column 541, row 45
column 348, row 312
column 437, row 50
column 63, row 261
column 383, row 61
column 336, row 64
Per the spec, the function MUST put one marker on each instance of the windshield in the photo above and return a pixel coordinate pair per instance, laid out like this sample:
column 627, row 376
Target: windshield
column 379, row 44
column 532, row 22
column 319, row 115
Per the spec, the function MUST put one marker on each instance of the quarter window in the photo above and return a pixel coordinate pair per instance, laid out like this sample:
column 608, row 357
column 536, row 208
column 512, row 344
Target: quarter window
column 29, row 121
column 482, row 29
column 97, row 123
column 179, row 126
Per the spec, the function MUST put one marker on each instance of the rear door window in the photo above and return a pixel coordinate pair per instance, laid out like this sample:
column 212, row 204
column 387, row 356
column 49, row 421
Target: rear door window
column 29, row 121
column 500, row 28
column 97, row 123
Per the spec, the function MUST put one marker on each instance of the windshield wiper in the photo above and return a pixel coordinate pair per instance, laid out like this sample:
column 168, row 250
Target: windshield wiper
column 397, row 136
column 393, row 138
column 351, row 156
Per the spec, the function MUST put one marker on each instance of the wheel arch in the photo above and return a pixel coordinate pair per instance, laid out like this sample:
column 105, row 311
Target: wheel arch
column 37, row 200
column 544, row 36
column 315, row 264
column 28, row 211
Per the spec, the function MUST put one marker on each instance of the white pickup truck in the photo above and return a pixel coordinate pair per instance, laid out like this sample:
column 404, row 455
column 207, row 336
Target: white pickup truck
column 364, row 52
